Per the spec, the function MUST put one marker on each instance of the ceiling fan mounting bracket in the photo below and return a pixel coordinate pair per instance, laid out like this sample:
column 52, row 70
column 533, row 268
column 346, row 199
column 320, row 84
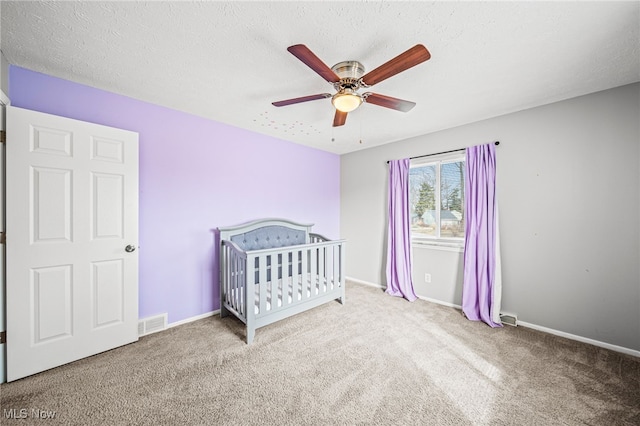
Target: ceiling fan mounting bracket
column 348, row 69
column 350, row 74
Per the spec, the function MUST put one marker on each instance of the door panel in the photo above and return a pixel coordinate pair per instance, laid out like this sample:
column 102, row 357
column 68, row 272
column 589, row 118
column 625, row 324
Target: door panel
column 72, row 208
column 50, row 217
column 108, row 292
column 52, row 312
column 107, row 193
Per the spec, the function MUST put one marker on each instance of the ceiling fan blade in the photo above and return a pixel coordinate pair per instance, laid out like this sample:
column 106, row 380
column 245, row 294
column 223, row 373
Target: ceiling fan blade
column 339, row 119
column 412, row 57
column 303, row 53
column 388, row 102
column 301, row 99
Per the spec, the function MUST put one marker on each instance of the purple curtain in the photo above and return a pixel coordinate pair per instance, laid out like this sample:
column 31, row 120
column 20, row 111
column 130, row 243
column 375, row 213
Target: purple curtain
column 399, row 281
column 481, row 257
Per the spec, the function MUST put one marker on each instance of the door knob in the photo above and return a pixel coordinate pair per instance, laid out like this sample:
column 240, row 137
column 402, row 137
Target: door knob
column 130, row 248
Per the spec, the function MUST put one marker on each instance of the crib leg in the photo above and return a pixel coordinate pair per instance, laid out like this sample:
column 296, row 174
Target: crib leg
column 250, row 333
column 224, row 312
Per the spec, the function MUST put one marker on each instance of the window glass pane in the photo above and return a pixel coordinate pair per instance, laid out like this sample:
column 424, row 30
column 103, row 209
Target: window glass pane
column 452, row 200
column 422, row 200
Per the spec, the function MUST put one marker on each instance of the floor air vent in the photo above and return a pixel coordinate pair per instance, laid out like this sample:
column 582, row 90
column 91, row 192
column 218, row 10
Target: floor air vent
column 152, row 324
column 509, row 319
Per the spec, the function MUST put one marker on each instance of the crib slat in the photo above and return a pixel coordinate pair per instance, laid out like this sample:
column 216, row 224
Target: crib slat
column 238, row 289
column 336, row 267
column 224, row 275
column 327, row 265
column 241, row 286
column 334, row 273
column 229, row 277
column 232, row 281
column 313, row 276
column 275, row 279
column 336, row 279
column 292, row 269
column 295, row 275
column 231, row 288
column 262, row 284
column 342, row 277
column 272, row 276
column 304, row 274
column 248, row 286
column 322, row 273
column 283, row 283
column 320, row 266
column 328, row 268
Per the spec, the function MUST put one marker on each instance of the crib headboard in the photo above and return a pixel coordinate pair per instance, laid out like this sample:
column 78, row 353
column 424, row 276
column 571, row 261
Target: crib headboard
column 266, row 233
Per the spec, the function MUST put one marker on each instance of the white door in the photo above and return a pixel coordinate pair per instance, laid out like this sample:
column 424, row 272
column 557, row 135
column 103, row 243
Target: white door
column 72, row 235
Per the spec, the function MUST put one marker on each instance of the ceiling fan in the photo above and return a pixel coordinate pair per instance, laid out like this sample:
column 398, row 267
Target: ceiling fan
column 349, row 76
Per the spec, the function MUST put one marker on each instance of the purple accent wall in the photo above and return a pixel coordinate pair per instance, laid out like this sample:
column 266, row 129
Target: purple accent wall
column 195, row 175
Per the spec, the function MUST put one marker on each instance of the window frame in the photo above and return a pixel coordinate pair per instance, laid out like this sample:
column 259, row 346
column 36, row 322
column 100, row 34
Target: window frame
column 444, row 243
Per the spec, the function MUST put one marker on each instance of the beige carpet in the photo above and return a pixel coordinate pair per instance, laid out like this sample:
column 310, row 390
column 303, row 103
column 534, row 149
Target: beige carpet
column 375, row 360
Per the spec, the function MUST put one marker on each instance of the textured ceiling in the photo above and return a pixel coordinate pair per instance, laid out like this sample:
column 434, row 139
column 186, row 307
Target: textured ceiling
column 227, row 61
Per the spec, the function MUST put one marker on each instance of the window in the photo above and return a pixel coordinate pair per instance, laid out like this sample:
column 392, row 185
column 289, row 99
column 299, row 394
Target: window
column 436, row 199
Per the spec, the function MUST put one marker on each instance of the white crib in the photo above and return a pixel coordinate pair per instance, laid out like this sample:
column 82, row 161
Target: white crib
column 271, row 269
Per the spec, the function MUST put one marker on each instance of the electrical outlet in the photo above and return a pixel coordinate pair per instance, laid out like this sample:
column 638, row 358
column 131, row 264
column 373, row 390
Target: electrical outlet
column 427, row 278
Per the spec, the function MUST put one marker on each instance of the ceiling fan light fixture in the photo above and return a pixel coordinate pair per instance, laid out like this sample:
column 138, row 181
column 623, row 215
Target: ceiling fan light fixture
column 346, row 100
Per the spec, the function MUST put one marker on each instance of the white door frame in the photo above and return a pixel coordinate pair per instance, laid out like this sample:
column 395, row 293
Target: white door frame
column 4, row 101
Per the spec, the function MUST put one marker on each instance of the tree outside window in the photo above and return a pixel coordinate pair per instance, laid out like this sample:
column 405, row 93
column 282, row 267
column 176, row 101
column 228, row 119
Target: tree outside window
column 436, row 199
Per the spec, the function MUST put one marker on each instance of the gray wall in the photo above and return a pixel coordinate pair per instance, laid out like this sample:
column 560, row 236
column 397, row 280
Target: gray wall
column 569, row 200
column 4, row 65
column 4, row 74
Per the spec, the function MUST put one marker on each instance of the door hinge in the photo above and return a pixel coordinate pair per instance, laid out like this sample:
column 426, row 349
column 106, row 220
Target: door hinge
column 3, row 136
column 3, row 337
column 3, row 238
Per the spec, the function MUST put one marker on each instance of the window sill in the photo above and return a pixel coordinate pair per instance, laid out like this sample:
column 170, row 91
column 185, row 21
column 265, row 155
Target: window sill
column 439, row 245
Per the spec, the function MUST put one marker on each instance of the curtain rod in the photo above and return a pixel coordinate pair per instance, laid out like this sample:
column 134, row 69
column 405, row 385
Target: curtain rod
column 443, row 152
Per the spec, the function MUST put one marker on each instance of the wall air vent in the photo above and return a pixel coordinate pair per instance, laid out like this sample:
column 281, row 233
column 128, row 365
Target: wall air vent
column 509, row 319
column 152, row 324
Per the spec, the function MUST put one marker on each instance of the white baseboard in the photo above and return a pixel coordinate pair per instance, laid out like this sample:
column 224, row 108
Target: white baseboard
column 428, row 299
column 192, row 319
column 440, row 302
column 593, row 342
column 370, row 284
